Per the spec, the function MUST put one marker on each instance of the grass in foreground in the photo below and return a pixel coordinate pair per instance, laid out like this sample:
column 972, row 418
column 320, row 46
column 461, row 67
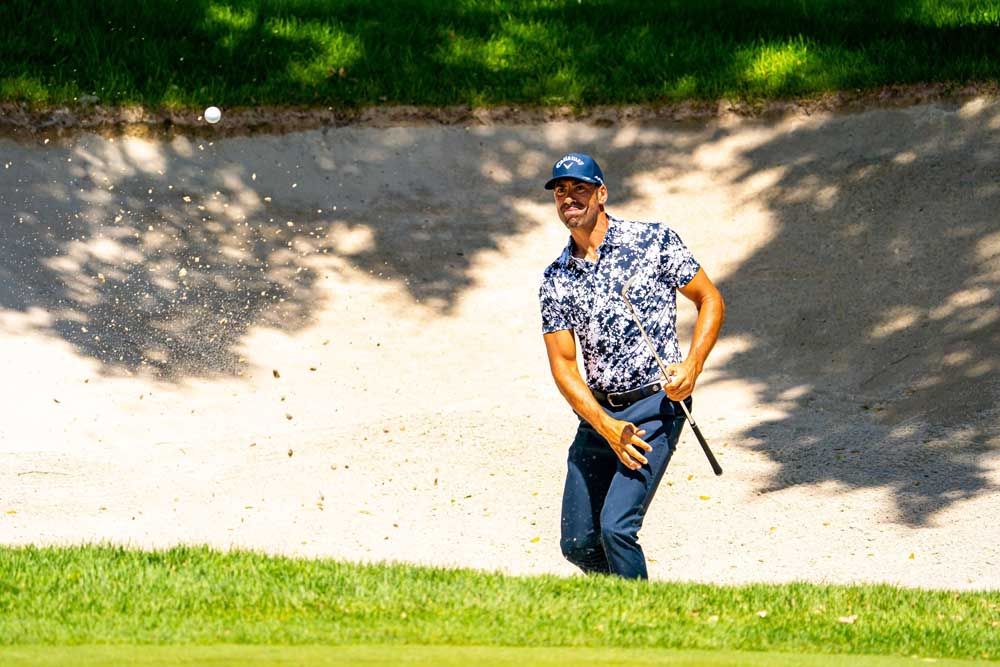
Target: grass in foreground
column 353, row 53
column 438, row 656
column 195, row 595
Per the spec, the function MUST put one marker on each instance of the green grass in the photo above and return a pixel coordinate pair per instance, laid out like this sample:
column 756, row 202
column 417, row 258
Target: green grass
column 438, row 656
column 194, row 595
column 354, row 53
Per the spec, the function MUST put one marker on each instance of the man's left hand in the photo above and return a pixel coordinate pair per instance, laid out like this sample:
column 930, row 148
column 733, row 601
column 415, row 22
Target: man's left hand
column 681, row 381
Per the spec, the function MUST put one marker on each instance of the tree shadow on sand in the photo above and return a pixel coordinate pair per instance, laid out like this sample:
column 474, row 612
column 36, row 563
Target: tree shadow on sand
column 127, row 252
column 159, row 256
column 875, row 305
column 870, row 316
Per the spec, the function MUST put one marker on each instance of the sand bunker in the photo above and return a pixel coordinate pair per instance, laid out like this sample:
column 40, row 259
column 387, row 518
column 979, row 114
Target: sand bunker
column 327, row 342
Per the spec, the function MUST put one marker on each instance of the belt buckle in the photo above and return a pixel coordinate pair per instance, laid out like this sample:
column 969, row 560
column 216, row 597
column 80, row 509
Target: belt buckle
column 612, row 403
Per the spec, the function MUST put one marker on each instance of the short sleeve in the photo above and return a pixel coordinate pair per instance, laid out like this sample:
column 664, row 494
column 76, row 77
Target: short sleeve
column 553, row 318
column 678, row 265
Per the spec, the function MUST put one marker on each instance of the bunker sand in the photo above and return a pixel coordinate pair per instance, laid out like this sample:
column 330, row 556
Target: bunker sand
column 327, row 343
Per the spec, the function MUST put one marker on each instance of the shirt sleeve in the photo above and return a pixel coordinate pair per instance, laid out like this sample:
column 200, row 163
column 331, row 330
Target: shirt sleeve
column 678, row 265
column 553, row 318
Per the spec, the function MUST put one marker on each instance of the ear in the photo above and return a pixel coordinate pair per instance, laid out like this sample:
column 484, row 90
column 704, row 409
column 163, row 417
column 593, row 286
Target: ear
column 602, row 194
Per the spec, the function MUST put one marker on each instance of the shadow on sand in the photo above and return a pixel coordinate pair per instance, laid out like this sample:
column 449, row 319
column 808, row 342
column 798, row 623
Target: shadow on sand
column 876, row 302
column 871, row 314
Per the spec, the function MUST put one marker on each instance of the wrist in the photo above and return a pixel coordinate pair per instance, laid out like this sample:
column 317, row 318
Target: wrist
column 604, row 424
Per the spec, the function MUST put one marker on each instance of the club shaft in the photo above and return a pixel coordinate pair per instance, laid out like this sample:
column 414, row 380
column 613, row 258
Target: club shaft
column 716, row 468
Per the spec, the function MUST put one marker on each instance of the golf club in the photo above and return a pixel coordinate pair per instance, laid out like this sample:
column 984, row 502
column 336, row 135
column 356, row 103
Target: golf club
column 663, row 369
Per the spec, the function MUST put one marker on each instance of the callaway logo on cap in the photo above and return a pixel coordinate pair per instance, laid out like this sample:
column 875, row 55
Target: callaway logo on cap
column 566, row 159
column 576, row 165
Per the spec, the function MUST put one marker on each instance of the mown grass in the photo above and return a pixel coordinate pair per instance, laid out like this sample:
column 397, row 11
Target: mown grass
column 354, row 53
column 242, row 655
column 103, row 594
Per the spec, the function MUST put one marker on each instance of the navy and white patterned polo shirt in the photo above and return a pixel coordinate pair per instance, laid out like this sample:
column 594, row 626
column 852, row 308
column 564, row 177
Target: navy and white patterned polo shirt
column 586, row 298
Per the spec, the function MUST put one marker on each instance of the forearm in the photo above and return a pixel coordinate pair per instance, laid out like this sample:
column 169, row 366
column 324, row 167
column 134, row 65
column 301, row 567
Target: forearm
column 711, row 314
column 577, row 394
column 624, row 438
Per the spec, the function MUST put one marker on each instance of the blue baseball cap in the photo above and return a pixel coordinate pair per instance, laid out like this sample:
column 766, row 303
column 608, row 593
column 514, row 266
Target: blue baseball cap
column 576, row 165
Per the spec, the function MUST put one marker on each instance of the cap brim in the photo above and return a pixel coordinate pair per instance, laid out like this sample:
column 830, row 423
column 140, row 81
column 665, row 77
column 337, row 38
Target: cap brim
column 551, row 183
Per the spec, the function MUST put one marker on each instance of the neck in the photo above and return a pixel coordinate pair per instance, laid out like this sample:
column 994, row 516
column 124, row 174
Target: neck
column 587, row 239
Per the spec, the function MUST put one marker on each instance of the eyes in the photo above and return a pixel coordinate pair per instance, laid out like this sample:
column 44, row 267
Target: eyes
column 576, row 189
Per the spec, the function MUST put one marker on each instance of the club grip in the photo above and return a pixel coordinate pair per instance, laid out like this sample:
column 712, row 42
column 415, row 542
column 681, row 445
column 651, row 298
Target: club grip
column 716, row 468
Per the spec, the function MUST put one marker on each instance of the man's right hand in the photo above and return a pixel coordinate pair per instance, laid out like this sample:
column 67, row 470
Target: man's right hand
column 626, row 442
column 624, row 438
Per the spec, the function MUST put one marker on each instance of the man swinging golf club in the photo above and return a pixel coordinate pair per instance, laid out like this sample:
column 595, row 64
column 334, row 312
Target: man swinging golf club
column 614, row 286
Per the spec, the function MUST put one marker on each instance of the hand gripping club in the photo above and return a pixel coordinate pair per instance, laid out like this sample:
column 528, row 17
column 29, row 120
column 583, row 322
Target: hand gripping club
column 663, row 369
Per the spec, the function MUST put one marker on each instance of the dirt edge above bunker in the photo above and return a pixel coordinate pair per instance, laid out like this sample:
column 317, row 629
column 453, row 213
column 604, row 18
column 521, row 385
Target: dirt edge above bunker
column 23, row 121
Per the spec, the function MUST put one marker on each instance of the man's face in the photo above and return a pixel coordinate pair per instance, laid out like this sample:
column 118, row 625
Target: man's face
column 578, row 203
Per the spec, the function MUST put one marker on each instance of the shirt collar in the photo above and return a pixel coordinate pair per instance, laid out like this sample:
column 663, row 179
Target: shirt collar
column 613, row 235
column 611, row 238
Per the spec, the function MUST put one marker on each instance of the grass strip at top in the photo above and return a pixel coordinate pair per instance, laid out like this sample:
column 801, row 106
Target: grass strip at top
column 196, row 595
column 355, row 53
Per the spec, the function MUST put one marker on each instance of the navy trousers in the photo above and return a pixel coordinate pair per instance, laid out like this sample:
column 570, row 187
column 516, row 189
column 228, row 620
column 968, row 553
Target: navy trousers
column 604, row 503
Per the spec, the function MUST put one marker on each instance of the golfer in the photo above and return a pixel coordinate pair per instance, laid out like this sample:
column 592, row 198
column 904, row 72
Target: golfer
column 629, row 418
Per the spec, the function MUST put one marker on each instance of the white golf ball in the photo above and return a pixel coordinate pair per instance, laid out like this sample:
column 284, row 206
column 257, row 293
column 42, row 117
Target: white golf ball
column 212, row 114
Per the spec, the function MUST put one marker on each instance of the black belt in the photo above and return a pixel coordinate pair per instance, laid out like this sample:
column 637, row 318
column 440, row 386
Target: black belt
column 623, row 399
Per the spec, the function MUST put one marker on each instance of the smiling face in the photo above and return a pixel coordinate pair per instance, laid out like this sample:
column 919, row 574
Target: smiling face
column 579, row 203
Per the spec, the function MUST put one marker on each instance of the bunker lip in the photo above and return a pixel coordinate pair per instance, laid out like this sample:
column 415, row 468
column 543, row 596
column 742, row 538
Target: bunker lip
column 27, row 122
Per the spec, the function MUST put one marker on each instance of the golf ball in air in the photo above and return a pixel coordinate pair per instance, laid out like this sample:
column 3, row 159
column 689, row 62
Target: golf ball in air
column 212, row 114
